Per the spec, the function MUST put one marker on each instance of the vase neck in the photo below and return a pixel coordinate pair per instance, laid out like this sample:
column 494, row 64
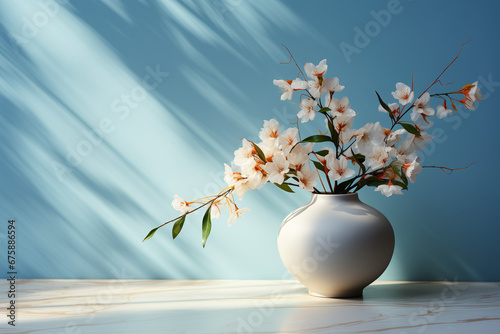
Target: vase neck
column 335, row 198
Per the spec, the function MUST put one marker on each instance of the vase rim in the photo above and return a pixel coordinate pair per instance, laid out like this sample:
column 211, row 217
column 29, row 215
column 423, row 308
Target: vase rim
column 330, row 194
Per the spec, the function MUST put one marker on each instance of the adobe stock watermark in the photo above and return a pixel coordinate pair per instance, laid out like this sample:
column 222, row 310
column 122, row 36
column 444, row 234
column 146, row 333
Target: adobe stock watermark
column 120, row 109
column 264, row 308
column 424, row 316
column 488, row 86
column 32, row 25
column 364, row 35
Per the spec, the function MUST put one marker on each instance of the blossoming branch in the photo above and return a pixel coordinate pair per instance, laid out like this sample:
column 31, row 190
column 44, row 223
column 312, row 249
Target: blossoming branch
column 385, row 158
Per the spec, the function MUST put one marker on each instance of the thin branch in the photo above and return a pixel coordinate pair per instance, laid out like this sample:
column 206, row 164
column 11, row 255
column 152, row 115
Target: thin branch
column 439, row 76
column 291, row 58
column 448, row 170
column 401, row 116
column 442, row 84
column 441, row 94
column 348, row 147
column 432, row 84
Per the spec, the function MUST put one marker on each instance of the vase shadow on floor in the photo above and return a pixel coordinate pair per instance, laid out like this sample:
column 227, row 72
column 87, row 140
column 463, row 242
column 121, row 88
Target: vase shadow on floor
column 404, row 291
column 415, row 291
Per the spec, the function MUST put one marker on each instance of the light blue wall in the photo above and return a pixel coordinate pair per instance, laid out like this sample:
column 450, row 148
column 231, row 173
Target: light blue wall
column 69, row 67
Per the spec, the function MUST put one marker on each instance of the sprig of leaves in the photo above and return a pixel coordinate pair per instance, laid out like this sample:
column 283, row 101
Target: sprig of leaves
column 179, row 221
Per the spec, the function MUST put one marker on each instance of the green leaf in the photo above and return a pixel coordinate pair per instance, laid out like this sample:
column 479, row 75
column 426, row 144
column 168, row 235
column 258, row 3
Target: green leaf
column 334, row 134
column 360, row 159
column 259, row 152
column 341, row 187
column 401, row 184
column 178, row 226
column 374, row 182
column 284, row 187
column 410, row 128
column 322, row 152
column 150, row 234
column 396, row 170
column 206, row 227
column 319, row 166
column 358, row 156
column 316, row 139
column 385, row 106
column 324, row 110
column 403, row 177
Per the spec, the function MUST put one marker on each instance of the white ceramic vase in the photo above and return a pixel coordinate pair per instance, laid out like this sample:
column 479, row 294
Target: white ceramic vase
column 336, row 245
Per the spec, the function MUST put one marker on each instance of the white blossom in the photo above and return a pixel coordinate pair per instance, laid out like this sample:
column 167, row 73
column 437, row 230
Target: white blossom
column 244, row 155
column 235, row 215
column 331, row 85
column 269, row 147
column 307, row 178
column 254, row 174
column 368, row 136
column 299, row 155
column 472, row 92
column 377, row 158
column 288, row 139
column 469, row 104
column 181, row 205
column 340, row 107
column 389, row 189
column 420, row 107
column 241, row 187
column 363, row 142
column 395, row 136
column 215, row 210
column 230, row 177
column 403, row 93
column 442, row 111
column 316, row 71
column 337, row 168
column 419, row 142
column 236, row 180
column 277, row 169
column 270, row 131
column 413, row 168
column 314, row 88
column 307, row 112
column 342, row 125
column 289, row 86
column 317, row 85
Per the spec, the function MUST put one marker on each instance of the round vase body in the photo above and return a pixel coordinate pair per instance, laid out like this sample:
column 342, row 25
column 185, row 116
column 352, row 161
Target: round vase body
column 336, row 245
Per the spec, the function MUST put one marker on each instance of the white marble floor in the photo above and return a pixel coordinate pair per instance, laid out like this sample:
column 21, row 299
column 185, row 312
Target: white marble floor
column 181, row 307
